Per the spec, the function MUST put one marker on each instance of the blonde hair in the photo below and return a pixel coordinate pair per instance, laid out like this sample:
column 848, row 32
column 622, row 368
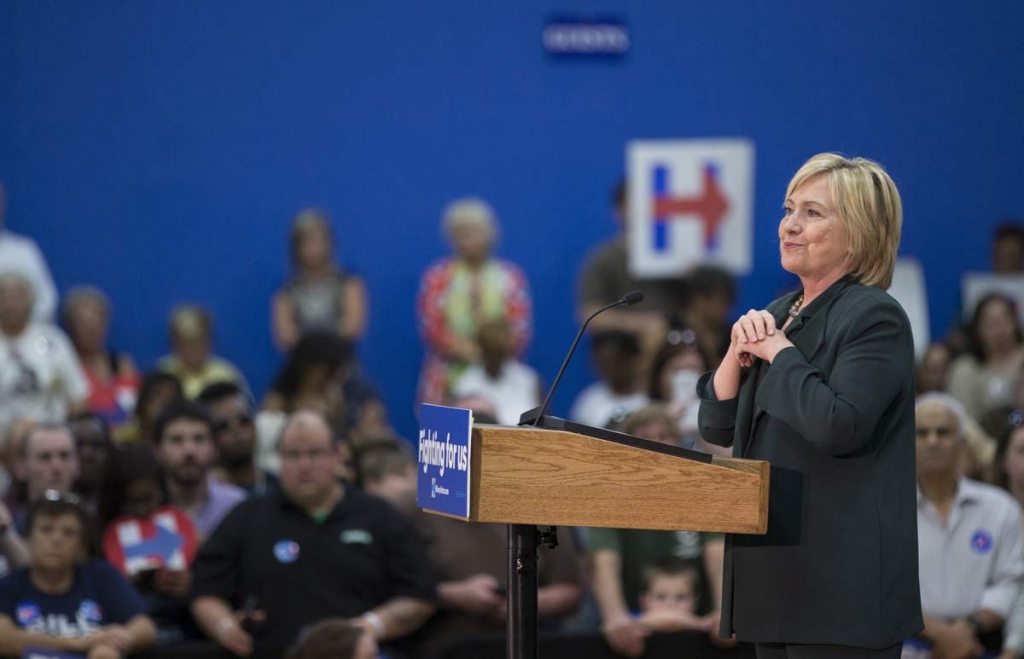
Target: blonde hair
column 470, row 211
column 190, row 321
column 869, row 204
column 305, row 221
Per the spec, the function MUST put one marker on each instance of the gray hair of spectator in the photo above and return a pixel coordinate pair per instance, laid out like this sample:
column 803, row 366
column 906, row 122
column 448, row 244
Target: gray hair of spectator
column 869, row 205
column 15, row 277
column 80, row 295
column 26, row 439
column 189, row 321
column 652, row 413
column 470, row 211
column 950, row 403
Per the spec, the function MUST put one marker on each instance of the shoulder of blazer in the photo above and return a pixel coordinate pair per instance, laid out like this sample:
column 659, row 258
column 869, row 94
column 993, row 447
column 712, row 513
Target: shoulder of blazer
column 860, row 306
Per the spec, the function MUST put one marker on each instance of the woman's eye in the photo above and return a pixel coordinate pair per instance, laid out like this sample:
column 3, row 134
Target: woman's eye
column 787, row 210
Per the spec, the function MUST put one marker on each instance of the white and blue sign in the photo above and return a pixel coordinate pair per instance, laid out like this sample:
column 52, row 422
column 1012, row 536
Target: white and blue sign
column 586, row 36
column 444, row 457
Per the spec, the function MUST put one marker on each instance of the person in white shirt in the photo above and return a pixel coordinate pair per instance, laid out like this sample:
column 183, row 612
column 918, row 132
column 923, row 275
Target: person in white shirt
column 21, row 254
column 617, row 359
column 40, row 377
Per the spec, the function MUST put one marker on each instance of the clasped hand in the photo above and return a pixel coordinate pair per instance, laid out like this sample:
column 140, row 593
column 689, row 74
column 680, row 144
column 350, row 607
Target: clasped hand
column 754, row 335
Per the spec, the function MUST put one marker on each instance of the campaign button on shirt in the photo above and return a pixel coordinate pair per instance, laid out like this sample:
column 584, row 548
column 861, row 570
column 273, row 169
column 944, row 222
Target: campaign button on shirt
column 286, row 551
column 27, row 613
column 981, row 541
column 91, row 611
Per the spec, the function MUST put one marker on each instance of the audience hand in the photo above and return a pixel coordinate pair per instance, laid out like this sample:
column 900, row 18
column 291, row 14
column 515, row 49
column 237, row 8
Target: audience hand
column 625, row 635
column 477, row 595
column 957, row 641
column 175, row 583
column 233, row 637
column 104, row 651
column 673, row 621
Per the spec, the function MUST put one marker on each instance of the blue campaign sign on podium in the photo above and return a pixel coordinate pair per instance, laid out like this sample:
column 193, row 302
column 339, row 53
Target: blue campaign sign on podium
column 444, row 450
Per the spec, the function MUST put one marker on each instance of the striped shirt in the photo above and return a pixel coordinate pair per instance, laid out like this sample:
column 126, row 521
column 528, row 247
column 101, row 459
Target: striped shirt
column 975, row 561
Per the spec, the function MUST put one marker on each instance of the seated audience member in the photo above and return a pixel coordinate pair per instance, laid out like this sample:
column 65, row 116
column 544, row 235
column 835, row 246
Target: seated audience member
column 459, row 292
column 112, row 376
column 618, row 391
column 388, row 470
column 712, row 292
column 314, row 548
column 40, row 377
column 21, row 254
column 969, row 537
column 933, row 369
column 1009, row 460
column 335, row 639
column 157, row 391
column 49, row 463
column 234, row 431
column 14, row 552
column 65, row 603
column 1008, row 249
column 620, row 555
column 134, row 506
column 186, row 453
column 673, row 381
column 499, row 376
column 668, row 601
column 321, row 295
column 471, row 565
column 191, row 358
column 92, row 441
column 986, row 378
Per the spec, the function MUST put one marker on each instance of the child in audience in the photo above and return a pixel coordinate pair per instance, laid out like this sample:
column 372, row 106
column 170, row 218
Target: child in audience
column 388, row 470
column 668, row 602
column 335, row 638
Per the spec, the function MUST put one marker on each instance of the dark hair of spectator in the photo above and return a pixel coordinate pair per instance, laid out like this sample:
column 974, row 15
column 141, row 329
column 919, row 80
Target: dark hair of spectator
column 305, row 220
column 152, row 382
column 1013, row 423
column 321, row 348
column 91, row 417
column 181, row 409
column 381, row 458
column 687, row 342
column 973, row 333
column 130, row 463
column 626, row 344
column 1010, row 229
column 671, row 566
column 619, row 193
column 219, row 391
column 335, row 638
column 53, row 505
column 711, row 281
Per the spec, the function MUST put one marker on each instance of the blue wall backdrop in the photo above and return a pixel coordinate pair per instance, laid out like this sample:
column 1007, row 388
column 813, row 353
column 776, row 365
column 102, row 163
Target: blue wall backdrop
column 159, row 149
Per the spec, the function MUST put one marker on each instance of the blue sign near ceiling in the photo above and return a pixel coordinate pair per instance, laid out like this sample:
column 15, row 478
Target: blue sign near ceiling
column 586, row 36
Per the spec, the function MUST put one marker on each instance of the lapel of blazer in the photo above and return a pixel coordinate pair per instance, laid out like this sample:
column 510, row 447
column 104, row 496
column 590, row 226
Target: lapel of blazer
column 807, row 332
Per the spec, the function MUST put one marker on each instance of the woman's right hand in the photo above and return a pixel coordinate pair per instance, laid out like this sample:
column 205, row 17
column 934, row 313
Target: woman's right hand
column 752, row 327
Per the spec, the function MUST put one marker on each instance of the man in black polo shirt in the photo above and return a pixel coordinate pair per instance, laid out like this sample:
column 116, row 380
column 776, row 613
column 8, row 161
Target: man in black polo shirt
column 313, row 549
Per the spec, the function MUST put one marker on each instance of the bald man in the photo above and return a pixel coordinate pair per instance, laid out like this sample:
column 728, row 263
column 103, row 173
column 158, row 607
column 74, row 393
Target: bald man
column 314, row 548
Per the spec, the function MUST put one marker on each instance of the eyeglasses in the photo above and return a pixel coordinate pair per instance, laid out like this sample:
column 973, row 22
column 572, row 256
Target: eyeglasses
column 240, row 420
column 66, row 497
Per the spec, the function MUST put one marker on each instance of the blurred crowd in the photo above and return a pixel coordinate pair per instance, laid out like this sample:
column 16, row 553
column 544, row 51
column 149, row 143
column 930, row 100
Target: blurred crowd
column 153, row 506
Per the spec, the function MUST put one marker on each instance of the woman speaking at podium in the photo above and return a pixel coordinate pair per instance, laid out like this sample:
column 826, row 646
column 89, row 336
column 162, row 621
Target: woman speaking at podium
column 820, row 384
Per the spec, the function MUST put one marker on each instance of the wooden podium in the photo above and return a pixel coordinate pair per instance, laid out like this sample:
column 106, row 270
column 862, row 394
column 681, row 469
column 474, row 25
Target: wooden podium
column 566, row 474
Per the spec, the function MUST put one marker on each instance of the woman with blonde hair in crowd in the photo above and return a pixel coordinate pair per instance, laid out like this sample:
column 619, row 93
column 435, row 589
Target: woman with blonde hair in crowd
column 321, row 294
column 460, row 293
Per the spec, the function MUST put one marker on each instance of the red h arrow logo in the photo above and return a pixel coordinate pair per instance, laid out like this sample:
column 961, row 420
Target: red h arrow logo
column 710, row 206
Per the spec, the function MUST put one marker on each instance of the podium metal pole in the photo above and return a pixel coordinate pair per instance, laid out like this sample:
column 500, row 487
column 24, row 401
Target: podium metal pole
column 521, row 622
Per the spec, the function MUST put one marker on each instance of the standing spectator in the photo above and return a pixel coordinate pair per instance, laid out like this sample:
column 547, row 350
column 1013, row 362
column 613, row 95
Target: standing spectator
column 458, row 294
column 619, row 390
column 21, row 254
column 986, row 379
column 186, row 452
column 1008, row 249
column 234, row 429
column 61, row 603
column 113, row 378
column 40, row 377
column 49, row 463
column 92, row 441
column 321, row 295
column 969, row 538
column 512, row 386
column 157, row 392
column 312, row 549
column 191, row 358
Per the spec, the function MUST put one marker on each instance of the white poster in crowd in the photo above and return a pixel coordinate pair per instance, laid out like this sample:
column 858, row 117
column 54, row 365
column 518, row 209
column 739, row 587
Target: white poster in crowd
column 690, row 202
column 976, row 285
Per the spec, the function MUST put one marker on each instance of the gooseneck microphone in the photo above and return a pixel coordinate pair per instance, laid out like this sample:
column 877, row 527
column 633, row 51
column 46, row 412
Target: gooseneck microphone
column 627, row 300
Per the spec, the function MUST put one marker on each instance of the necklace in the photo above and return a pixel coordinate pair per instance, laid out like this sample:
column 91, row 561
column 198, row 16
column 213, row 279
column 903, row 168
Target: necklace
column 794, row 310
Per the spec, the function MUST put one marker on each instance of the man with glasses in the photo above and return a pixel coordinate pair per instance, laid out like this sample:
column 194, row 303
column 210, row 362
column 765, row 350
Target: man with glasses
column 312, row 549
column 235, row 433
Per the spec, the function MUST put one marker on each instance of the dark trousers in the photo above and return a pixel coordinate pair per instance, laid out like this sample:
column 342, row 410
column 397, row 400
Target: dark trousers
column 784, row 651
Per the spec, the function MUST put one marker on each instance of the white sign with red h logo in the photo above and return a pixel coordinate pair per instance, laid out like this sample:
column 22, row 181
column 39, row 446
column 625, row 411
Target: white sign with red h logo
column 690, row 202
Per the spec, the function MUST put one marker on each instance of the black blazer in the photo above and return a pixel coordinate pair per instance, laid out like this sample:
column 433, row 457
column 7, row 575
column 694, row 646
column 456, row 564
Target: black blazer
column 835, row 418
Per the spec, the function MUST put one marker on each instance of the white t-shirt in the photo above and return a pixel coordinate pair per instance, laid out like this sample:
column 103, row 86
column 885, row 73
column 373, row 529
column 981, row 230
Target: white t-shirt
column 40, row 376
column 597, row 405
column 514, row 392
column 21, row 255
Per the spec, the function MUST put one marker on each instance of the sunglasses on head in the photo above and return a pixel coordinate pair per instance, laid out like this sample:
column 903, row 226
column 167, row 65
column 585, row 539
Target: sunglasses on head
column 1016, row 419
column 220, row 425
column 66, row 497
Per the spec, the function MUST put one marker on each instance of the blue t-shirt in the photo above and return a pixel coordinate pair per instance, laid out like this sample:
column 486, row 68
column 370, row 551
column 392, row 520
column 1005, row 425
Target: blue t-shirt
column 99, row 596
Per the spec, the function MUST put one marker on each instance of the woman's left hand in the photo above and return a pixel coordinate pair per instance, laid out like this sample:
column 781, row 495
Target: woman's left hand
column 760, row 338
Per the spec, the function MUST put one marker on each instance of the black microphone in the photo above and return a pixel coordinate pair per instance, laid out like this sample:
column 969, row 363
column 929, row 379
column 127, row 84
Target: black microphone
column 627, row 300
